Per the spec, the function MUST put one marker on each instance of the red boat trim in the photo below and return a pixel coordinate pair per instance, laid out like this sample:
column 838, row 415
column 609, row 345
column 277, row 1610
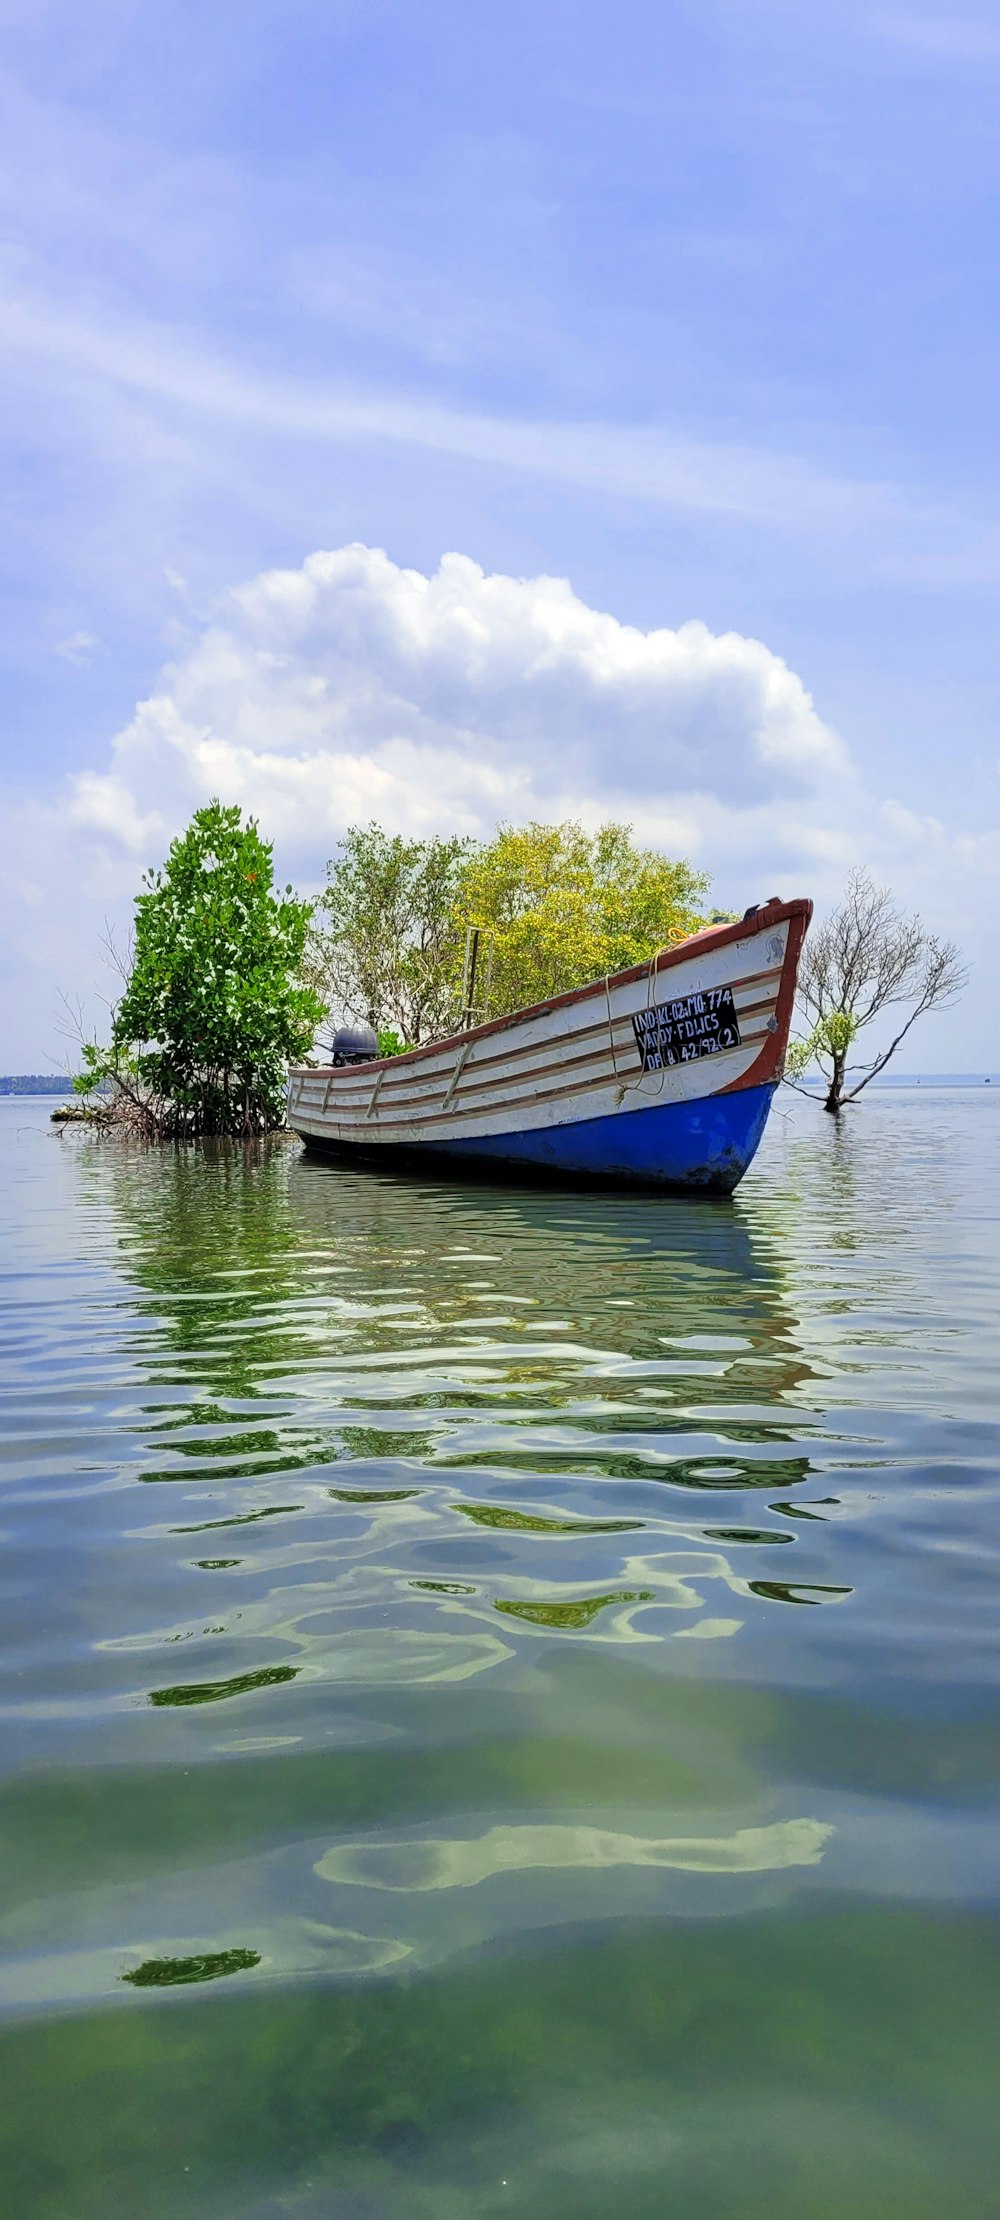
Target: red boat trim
column 488, row 1071
column 769, row 1065
column 798, row 913
column 470, row 1084
column 457, row 1111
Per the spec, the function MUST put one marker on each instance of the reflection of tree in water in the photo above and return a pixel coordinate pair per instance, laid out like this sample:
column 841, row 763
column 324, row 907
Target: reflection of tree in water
column 848, row 1186
column 799, row 1591
column 204, row 1231
column 396, row 1322
column 259, row 1259
column 414, row 1304
column 678, row 1321
column 638, row 1281
column 575, row 1615
column 507, row 1519
column 186, row 1693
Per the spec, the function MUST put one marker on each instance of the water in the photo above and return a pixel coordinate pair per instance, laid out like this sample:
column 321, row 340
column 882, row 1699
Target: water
column 499, row 1689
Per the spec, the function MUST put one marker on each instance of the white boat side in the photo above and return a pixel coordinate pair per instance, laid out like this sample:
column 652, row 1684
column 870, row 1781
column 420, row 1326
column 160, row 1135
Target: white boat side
column 573, row 1060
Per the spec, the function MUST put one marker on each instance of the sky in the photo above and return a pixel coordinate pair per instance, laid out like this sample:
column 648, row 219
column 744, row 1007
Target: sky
column 441, row 413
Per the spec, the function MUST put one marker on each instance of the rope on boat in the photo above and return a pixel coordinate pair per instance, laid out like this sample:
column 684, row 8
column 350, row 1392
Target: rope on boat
column 624, row 1085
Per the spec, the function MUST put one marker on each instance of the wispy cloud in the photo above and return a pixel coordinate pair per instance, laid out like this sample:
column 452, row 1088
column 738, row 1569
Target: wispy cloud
column 944, row 37
column 80, row 648
column 638, row 461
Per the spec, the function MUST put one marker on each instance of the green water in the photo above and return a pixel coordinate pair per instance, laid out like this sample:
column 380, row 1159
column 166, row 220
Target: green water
column 499, row 1690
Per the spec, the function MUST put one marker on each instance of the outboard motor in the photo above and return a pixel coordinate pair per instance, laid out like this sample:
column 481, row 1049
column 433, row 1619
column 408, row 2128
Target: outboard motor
column 354, row 1044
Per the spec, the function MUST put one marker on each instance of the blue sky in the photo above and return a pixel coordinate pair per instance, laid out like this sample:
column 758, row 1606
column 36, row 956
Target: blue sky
column 691, row 306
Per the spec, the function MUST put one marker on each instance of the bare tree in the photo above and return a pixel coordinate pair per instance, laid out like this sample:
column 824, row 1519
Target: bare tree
column 867, row 958
column 113, row 1093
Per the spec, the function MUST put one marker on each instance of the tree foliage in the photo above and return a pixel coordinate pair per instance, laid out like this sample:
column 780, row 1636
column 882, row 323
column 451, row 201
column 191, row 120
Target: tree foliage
column 558, row 906
column 213, row 1006
column 554, row 905
column 866, row 959
column 386, row 948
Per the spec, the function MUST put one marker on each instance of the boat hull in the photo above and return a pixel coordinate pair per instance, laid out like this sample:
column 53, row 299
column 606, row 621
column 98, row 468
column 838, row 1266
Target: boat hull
column 703, row 1146
column 660, row 1076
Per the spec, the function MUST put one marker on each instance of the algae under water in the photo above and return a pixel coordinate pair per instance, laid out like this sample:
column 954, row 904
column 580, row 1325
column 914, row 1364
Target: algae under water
column 573, row 1791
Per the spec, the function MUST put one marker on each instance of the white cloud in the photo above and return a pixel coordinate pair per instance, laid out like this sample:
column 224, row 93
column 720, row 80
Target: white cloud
column 632, row 461
column 354, row 688
column 80, row 648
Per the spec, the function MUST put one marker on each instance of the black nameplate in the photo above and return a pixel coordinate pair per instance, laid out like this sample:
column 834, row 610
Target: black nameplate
column 700, row 1024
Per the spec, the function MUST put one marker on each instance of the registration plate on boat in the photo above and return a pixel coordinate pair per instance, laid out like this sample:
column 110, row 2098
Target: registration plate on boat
column 699, row 1024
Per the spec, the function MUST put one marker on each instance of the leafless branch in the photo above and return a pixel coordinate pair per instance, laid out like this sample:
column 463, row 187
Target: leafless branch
column 868, row 957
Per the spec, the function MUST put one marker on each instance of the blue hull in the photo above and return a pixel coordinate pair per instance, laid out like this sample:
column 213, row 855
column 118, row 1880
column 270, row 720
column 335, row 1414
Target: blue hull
column 706, row 1144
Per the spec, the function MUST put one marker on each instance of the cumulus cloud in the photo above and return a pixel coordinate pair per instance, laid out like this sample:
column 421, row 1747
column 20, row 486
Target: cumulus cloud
column 353, row 687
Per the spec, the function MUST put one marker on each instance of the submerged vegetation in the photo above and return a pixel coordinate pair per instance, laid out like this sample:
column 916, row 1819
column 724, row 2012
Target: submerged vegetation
column 172, row 1973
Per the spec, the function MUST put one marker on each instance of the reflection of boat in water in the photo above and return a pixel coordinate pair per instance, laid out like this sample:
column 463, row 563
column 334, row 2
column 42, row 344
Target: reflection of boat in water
column 668, row 1318
column 661, row 1075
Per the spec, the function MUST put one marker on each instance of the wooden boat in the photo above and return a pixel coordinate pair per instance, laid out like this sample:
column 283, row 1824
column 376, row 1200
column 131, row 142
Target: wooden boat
column 662, row 1075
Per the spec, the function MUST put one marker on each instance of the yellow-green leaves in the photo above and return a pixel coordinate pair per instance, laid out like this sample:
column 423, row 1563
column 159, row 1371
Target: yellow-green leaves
column 555, row 906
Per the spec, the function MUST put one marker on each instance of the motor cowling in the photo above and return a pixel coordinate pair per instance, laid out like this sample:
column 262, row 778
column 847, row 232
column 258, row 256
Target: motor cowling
column 354, row 1044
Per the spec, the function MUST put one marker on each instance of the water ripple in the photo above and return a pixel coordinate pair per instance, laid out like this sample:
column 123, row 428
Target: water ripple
column 403, row 1577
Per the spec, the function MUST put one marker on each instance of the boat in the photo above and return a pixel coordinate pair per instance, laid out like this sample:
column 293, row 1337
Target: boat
column 659, row 1076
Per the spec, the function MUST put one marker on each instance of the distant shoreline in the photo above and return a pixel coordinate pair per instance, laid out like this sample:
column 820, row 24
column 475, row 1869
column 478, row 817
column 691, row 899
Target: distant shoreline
column 918, row 1079
column 23, row 1087
column 34, row 1083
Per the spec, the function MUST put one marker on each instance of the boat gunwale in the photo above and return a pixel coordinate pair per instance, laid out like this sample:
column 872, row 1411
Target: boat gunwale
column 495, row 1071
column 403, row 1112
column 716, row 936
column 599, row 1054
